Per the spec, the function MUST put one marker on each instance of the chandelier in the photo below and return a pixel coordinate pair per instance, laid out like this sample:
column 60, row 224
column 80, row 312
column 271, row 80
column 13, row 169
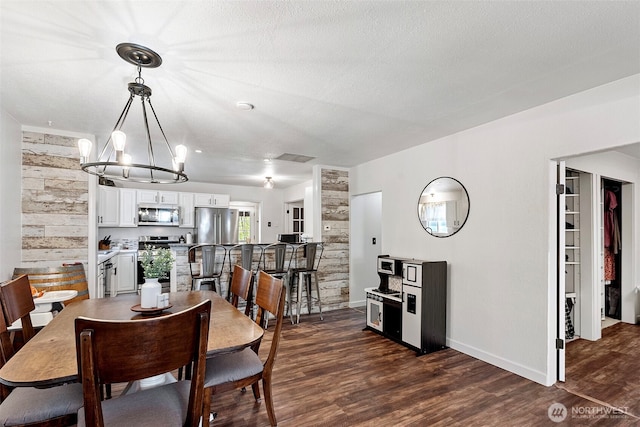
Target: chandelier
column 113, row 162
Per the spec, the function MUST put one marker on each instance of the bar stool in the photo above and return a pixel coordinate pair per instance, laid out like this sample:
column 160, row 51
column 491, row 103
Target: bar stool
column 307, row 259
column 276, row 261
column 210, row 258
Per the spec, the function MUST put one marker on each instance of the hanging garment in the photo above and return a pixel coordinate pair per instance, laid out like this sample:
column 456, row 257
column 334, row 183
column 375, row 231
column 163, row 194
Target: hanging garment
column 609, row 265
column 611, row 227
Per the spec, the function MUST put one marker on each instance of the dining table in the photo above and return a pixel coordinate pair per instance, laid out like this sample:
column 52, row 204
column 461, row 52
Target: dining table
column 49, row 358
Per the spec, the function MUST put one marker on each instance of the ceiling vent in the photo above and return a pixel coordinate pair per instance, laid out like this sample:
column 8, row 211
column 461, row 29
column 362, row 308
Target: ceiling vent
column 298, row 158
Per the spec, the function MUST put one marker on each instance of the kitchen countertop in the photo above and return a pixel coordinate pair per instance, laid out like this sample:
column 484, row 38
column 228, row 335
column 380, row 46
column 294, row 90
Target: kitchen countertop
column 107, row 255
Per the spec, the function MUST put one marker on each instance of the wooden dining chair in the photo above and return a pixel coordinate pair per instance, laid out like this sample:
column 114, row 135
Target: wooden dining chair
column 30, row 406
column 124, row 351
column 244, row 368
column 241, row 288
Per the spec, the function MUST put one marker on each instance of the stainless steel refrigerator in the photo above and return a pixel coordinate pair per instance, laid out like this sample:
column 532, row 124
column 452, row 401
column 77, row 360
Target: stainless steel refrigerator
column 216, row 225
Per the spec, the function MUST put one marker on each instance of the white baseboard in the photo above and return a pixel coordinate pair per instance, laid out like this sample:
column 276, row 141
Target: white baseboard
column 516, row 368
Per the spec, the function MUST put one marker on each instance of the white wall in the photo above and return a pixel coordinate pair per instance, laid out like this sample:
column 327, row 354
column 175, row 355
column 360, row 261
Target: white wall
column 10, row 194
column 501, row 274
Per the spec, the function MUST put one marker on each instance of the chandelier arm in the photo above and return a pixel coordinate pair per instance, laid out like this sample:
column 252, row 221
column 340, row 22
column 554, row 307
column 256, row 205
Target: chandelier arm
column 152, row 160
column 161, row 130
column 118, row 125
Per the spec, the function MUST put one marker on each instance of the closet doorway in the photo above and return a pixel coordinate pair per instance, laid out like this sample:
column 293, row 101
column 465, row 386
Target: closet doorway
column 596, row 247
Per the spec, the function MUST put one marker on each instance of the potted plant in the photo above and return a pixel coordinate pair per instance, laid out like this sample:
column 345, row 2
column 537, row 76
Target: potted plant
column 156, row 264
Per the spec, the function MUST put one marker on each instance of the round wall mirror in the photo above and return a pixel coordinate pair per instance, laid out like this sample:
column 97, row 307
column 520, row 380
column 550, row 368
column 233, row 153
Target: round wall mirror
column 443, row 207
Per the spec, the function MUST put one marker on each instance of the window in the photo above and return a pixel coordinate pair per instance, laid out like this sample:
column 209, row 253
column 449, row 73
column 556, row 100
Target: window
column 248, row 229
column 244, row 226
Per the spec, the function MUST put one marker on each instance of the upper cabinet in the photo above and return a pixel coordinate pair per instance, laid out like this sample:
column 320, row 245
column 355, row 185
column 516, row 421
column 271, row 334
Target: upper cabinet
column 163, row 197
column 128, row 208
column 117, row 207
column 212, row 200
column 108, row 206
column 187, row 210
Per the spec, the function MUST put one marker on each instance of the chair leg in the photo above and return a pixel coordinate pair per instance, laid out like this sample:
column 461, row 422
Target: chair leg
column 308, row 284
column 256, row 391
column 206, row 406
column 266, row 385
column 315, row 277
column 299, row 301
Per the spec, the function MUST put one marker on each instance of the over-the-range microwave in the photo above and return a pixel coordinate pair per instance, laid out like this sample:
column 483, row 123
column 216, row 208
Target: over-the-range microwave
column 159, row 215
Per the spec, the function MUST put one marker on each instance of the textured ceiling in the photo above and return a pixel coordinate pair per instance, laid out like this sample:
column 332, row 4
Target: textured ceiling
column 343, row 82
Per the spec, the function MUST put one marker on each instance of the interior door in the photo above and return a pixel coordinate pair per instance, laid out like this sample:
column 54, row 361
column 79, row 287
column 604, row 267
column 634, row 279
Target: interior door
column 560, row 273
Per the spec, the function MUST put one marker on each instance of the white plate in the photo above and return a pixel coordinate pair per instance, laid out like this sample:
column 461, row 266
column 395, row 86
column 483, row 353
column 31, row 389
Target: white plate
column 55, row 296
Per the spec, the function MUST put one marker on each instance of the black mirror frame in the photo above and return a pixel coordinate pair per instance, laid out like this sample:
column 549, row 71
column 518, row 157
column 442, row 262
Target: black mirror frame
column 465, row 218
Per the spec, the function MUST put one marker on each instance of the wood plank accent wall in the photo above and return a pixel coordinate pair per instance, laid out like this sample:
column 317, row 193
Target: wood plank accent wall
column 333, row 273
column 55, row 198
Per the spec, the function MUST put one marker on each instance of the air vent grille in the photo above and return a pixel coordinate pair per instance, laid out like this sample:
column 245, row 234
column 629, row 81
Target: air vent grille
column 298, row 158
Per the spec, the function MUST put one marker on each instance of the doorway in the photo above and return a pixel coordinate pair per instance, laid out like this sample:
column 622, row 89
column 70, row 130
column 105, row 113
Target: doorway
column 295, row 217
column 595, row 283
column 366, row 245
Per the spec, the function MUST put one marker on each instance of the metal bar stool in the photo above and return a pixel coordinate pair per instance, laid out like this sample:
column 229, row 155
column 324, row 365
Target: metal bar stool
column 276, row 261
column 305, row 273
column 210, row 260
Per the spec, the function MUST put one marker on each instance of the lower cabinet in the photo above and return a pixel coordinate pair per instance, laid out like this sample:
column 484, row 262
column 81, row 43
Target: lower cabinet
column 126, row 274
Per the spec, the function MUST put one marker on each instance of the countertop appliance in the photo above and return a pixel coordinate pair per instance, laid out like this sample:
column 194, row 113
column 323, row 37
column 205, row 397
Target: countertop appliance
column 159, row 215
column 216, row 225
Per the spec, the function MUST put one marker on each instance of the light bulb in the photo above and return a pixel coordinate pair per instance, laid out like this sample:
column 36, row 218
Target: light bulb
column 126, row 161
column 119, row 140
column 268, row 183
column 84, row 145
column 181, row 153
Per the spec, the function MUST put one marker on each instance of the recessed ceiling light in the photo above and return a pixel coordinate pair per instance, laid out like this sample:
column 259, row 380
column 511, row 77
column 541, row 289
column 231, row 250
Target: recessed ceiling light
column 198, row 151
column 245, row 106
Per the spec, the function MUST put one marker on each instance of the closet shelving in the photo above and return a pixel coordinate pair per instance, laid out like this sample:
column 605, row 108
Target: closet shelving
column 572, row 240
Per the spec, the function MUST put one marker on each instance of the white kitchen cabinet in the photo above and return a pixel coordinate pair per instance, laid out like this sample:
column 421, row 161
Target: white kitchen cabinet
column 128, row 208
column 108, row 206
column 187, row 210
column 162, row 197
column 212, row 200
column 127, row 272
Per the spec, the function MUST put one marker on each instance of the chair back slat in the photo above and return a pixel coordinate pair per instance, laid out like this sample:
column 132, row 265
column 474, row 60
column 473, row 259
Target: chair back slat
column 17, row 303
column 123, row 347
column 211, row 256
column 241, row 287
column 268, row 296
column 248, row 255
column 277, row 258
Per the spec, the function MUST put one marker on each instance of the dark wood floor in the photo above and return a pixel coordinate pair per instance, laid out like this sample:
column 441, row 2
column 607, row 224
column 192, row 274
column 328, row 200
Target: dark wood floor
column 332, row 373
